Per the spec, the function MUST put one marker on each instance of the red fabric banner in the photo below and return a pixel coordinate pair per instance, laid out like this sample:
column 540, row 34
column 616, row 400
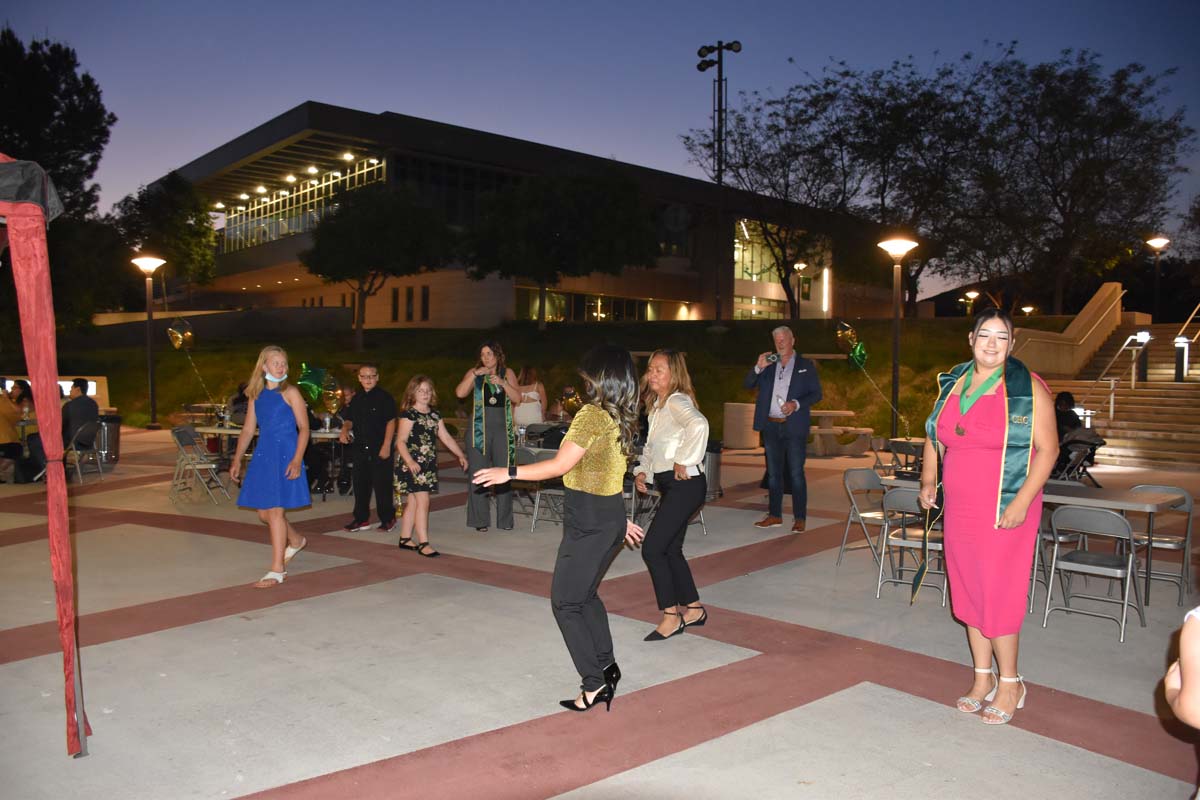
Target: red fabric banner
column 26, row 229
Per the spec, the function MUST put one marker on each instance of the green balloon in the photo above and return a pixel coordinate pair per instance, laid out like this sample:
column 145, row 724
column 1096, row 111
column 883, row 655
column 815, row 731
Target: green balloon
column 309, row 383
column 858, row 354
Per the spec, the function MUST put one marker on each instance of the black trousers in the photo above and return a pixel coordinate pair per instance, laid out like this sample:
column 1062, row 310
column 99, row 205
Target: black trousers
column 593, row 530
column 662, row 549
column 372, row 473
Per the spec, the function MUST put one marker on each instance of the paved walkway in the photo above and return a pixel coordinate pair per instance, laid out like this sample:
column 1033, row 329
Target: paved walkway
column 373, row 673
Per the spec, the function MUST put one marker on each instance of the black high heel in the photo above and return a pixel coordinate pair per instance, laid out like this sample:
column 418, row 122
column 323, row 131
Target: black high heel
column 612, row 675
column 698, row 623
column 655, row 636
column 605, row 694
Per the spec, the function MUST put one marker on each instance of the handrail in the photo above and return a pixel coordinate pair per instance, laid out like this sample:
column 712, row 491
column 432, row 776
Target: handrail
column 1183, row 327
column 1099, row 318
column 1114, row 382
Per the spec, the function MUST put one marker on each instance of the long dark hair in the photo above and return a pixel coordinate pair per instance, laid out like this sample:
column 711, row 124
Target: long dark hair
column 498, row 351
column 610, row 381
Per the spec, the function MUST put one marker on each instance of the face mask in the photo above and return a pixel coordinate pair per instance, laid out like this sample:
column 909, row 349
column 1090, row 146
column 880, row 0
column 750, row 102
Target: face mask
column 271, row 377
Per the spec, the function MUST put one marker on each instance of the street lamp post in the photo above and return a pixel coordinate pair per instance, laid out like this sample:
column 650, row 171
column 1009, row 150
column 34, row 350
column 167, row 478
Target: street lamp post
column 1157, row 244
column 720, row 96
column 972, row 296
column 897, row 249
column 147, row 264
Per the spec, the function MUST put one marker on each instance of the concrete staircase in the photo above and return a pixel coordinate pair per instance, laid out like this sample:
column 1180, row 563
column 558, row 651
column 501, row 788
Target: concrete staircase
column 1155, row 425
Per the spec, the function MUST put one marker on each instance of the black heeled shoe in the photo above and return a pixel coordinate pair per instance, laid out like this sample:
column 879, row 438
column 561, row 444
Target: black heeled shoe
column 612, row 675
column 703, row 617
column 605, row 694
column 655, row 636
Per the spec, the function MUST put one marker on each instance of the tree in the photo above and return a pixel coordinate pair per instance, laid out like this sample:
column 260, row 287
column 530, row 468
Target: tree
column 791, row 153
column 372, row 234
column 1077, row 162
column 170, row 219
column 53, row 115
column 544, row 229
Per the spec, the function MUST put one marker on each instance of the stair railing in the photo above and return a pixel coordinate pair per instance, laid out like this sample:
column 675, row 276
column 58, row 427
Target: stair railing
column 1184, row 326
column 1135, row 343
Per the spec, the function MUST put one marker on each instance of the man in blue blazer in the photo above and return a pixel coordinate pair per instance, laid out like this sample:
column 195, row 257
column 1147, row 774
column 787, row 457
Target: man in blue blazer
column 788, row 386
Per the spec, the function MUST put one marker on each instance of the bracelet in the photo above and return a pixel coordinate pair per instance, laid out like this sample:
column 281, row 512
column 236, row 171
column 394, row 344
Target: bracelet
column 512, row 471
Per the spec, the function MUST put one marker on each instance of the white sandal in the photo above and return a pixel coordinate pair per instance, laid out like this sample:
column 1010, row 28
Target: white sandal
column 969, row 705
column 289, row 552
column 271, row 576
column 1003, row 717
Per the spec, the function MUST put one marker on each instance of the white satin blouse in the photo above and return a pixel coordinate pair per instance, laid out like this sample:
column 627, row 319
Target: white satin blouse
column 678, row 435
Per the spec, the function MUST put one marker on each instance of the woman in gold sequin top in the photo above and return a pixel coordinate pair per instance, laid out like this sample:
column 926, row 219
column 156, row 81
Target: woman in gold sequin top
column 592, row 462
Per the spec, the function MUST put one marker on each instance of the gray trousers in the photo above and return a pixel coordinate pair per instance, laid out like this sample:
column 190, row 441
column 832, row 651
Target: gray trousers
column 593, row 530
column 495, row 454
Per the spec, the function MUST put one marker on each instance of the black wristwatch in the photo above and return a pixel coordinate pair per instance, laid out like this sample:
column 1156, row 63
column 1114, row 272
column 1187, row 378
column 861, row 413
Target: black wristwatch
column 512, row 471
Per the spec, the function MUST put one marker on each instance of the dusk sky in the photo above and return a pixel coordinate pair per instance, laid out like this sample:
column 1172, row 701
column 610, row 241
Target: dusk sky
column 613, row 79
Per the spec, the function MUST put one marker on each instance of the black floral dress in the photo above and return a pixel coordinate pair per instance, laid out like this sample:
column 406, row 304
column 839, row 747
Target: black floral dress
column 422, row 446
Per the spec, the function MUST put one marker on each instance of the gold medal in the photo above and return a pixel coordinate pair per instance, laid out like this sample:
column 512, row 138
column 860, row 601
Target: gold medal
column 958, row 429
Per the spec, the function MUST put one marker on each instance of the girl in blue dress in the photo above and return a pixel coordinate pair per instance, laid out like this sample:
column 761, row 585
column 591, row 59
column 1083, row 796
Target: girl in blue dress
column 275, row 480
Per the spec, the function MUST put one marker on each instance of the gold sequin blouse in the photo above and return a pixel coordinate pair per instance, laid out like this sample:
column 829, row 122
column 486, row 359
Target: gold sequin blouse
column 602, row 468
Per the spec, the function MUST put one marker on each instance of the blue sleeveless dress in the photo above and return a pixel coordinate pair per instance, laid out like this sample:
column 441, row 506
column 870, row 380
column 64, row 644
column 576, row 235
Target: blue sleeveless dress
column 266, row 484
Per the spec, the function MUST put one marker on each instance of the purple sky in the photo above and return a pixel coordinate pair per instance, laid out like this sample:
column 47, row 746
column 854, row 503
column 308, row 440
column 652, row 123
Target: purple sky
column 613, row 79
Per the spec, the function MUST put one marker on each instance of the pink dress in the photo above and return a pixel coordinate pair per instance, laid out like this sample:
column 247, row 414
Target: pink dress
column 988, row 566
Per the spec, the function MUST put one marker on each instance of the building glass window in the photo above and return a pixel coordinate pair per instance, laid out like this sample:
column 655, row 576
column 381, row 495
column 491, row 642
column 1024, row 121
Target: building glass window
column 758, row 308
column 424, row 304
column 408, row 304
column 751, row 258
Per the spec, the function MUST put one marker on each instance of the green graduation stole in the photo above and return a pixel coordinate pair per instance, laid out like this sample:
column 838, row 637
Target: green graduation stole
column 478, row 424
column 1018, row 441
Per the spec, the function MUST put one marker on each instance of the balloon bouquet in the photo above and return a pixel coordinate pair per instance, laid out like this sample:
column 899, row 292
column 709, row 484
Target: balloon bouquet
column 856, row 354
column 182, row 338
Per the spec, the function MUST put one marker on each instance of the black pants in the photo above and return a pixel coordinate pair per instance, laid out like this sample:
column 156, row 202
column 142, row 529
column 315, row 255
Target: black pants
column 593, row 530
column 662, row 549
column 372, row 473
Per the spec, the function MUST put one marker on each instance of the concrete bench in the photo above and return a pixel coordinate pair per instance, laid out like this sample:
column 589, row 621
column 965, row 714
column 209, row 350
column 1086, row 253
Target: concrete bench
column 825, row 440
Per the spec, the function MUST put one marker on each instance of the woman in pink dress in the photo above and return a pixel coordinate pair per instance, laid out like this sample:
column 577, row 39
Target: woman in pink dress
column 993, row 426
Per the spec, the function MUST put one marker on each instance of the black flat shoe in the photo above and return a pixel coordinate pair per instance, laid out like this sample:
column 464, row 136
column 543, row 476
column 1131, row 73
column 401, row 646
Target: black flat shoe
column 421, row 550
column 698, row 623
column 655, row 636
column 605, row 695
column 483, row 529
column 404, row 543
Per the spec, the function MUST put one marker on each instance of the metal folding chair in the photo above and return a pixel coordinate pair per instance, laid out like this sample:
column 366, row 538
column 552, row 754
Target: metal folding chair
column 1170, row 541
column 195, row 465
column 78, row 452
column 548, row 496
column 1120, row 565
column 861, row 486
column 899, row 505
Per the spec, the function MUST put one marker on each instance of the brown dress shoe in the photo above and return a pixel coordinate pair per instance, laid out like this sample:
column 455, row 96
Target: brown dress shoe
column 768, row 522
column 798, row 526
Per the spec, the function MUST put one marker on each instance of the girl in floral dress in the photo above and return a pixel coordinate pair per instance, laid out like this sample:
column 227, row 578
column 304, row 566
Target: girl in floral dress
column 421, row 428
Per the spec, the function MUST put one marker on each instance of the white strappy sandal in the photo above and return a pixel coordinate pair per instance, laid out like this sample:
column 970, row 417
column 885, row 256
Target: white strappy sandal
column 969, row 705
column 1003, row 717
column 278, row 577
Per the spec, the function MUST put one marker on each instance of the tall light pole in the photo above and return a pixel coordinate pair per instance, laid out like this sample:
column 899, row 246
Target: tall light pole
column 972, row 296
column 897, row 249
column 720, row 96
column 147, row 264
column 1157, row 244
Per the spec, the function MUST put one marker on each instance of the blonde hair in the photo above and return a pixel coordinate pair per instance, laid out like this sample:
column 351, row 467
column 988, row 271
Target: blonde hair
column 680, row 381
column 410, row 392
column 258, row 381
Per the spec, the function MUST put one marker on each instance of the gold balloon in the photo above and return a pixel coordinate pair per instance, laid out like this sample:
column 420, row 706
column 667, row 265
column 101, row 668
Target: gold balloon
column 331, row 394
column 571, row 401
column 180, row 334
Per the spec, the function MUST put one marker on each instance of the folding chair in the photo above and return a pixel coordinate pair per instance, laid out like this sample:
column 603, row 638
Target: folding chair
column 1170, row 541
column 77, row 451
column 898, row 506
column 548, row 495
column 1120, row 565
column 194, row 464
column 1040, row 572
column 861, row 484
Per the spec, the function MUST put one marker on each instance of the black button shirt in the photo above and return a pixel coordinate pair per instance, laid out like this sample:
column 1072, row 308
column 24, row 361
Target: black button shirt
column 371, row 412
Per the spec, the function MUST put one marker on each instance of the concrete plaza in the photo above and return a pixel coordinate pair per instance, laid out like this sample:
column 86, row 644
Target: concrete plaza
column 374, row 673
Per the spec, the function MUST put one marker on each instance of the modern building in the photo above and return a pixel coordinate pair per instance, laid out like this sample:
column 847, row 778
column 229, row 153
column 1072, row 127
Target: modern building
column 274, row 183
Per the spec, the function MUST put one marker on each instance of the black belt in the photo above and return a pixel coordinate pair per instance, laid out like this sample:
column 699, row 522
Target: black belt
column 779, row 420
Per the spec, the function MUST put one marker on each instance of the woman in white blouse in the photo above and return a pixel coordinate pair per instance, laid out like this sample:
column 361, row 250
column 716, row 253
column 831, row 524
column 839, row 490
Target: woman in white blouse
column 532, row 409
column 671, row 459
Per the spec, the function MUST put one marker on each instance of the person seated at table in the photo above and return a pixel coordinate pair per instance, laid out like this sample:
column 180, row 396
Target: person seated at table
column 1064, row 414
column 317, row 458
column 532, row 407
column 237, row 405
column 78, row 411
column 10, row 440
column 21, row 394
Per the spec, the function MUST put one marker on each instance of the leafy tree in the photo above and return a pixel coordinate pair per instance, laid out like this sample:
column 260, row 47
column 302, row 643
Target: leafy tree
column 170, row 219
column 372, row 234
column 1075, row 166
column 544, row 229
column 53, row 115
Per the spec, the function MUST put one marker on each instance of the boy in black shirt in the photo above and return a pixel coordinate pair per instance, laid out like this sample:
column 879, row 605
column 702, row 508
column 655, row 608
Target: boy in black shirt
column 372, row 417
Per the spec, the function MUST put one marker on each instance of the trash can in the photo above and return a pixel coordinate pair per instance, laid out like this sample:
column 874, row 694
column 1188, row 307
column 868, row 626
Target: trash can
column 712, row 471
column 108, row 438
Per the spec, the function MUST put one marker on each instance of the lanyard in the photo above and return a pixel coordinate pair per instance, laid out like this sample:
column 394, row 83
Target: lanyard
column 964, row 401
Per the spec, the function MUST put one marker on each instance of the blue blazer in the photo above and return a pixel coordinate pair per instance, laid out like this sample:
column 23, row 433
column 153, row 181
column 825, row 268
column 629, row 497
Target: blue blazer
column 805, row 389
